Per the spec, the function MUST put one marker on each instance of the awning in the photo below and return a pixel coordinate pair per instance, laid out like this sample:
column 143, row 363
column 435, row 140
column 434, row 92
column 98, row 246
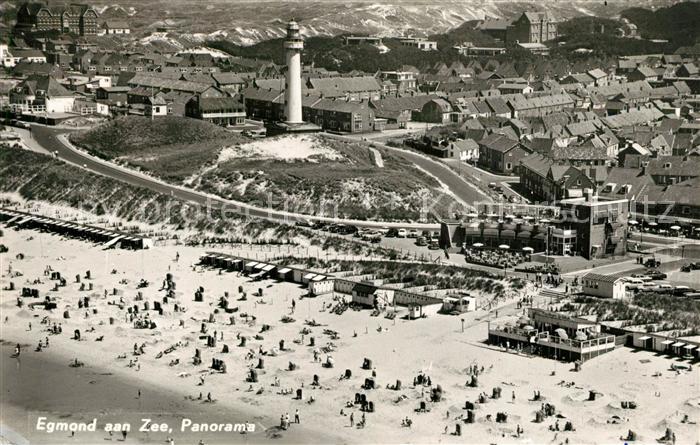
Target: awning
column 689, row 347
column 309, row 276
column 667, row 342
column 284, row 270
column 644, row 338
column 269, row 267
column 259, row 266
column 678, row 345
column 251, row 264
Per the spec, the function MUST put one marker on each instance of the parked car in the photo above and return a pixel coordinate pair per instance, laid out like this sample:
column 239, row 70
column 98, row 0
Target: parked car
column 434, row 245
column 413, row 233
column 421, row 241
column 680, row 291
column 656, row 275
column 402, row 233
column 392, row 233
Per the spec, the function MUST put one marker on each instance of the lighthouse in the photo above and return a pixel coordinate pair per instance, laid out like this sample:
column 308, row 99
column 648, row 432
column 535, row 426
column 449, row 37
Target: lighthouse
column 292, row 93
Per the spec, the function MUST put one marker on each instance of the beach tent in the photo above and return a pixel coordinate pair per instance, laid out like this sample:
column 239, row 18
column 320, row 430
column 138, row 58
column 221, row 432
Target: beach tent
column 666, row 344
column 112, row 242
column 645, row 342
column 285, row 274
column 308, row 277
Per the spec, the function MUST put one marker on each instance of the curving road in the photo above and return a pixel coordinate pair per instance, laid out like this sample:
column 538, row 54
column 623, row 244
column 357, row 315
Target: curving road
column 49, row 139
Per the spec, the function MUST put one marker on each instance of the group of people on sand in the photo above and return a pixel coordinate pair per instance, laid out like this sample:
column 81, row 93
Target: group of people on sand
column 285, row 422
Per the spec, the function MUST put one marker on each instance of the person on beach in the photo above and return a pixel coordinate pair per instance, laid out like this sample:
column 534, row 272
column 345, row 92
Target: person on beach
column 352, row 419
column 18, row 349
column 296, row 416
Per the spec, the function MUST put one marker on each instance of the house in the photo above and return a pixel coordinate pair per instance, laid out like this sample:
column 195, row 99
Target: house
column 496, row 28
column 687, row 70
column 514, row 88
column 402, row 80
column 263, row 104
column 110, row 27
column 643, row 73
column 600, row 77
column 230, row 82
column 669, row 170
column 532, row 27
column 499, row 107
column 108, row 98
column 398, row 111
column 584, row 79
column 535, row 48
column 224, row 111
column 41, row 93
column 420, row 43
column 339, row 115
column 436, row 110
column 14, row 56
column 355, row 88
column 156, row 106
column 463, row 149
column 164, row 84
column 500, row 154
column 605, row 286
column 549, row 181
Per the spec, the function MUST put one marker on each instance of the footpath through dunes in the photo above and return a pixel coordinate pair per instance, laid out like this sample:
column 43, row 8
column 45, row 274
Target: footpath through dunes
column 336, row 178
column 44, row 385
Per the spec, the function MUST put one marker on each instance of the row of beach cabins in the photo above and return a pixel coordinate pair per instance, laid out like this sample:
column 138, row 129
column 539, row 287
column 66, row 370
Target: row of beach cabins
column 366, row 290
column 107, row 237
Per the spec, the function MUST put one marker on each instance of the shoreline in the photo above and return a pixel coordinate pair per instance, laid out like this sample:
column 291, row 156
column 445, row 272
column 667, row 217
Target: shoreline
column 45, row 386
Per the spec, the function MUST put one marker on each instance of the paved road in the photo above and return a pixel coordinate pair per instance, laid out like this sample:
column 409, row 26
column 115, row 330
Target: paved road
column 464, row 191
column 48, row 138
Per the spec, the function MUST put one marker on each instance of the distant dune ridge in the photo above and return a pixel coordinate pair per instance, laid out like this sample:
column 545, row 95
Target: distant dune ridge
column 248, row 22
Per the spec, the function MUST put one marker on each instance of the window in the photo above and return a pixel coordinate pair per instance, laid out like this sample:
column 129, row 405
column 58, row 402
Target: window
column 686, row 210
column 509, row 166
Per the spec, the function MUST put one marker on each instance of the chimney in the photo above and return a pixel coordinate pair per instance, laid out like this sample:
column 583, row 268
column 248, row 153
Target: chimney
column 588, row 193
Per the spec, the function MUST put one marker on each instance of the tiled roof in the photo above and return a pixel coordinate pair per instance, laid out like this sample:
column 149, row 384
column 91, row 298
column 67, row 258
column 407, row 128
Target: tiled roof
column 498, row 142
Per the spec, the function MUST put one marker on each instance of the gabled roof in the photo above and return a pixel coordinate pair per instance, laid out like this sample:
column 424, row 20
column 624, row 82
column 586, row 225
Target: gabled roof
column 340, row 106
column 45, row 83
column 603, row 278
column 219, row 103
column 597, row 73
column 498, row 105
column 260, row 94
column 228, row 78
column 674, row 166
column 498, row 142
column 345, row 84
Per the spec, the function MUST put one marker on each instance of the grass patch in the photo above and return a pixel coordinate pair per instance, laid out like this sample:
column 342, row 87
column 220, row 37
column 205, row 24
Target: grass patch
column 171, row 147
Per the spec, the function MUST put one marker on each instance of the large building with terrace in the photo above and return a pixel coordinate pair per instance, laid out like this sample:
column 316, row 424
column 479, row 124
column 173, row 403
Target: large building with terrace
column 552, row 335
column 589, row 227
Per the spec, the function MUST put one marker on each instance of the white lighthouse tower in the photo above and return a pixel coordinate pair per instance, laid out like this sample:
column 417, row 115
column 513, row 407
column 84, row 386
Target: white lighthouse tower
column 292, row 93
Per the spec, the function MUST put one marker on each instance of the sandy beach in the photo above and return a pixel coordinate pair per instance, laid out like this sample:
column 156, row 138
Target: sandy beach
column 107, row 387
